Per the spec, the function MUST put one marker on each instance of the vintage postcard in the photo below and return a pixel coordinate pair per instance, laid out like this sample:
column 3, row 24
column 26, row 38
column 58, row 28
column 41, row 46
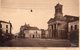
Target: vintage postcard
column 39, row 23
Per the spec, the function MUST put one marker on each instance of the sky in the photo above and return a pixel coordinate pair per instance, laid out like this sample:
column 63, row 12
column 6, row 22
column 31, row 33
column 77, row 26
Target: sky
column 18, row 11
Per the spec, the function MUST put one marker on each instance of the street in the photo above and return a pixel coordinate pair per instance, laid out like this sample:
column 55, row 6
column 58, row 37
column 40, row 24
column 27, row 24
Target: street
column 37, row 43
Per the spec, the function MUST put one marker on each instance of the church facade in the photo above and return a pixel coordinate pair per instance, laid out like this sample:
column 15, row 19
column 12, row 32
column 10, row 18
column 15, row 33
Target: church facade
column 58, row 27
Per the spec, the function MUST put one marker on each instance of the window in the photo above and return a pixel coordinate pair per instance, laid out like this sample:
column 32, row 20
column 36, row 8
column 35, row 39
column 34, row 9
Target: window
column 6, row 31
column 71, row 27
column 0, row 25
column 6, row 26
column 75, row 27
column 33, row 36
column 0, row 30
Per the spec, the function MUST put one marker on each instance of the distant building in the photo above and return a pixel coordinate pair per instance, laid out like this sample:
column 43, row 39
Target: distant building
column 42, row 33
column 73, row 29
column 73, row 25
column 59, row 26
column 46, row 34
column 30, row 32
column 5, row 29
column 73, row 22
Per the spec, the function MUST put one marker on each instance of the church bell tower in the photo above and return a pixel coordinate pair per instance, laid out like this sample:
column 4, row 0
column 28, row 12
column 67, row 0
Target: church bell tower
column 58, row 10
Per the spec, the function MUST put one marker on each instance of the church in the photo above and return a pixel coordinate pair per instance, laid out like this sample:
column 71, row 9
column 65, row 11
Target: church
column 59, row 26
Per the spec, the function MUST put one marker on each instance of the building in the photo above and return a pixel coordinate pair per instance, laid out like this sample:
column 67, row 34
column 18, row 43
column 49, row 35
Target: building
column 73, row 22
column 5, row 30
column 46, row 34
column 5, row 27
column 73, row 30
column 59, row 26
column 42, row 33
column 30, row 32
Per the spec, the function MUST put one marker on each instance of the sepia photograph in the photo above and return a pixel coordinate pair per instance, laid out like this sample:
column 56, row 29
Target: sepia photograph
column 39, row 23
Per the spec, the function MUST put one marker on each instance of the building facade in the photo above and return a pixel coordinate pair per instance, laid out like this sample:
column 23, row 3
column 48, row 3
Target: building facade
column 44, row 34
column 5, row 30
column 30, row 32
column 59, row 26
column 6, row 27
column 72, row 26
column 73, row 31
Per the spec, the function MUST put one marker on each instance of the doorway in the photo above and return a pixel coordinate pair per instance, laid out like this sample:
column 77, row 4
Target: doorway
column 33, row 36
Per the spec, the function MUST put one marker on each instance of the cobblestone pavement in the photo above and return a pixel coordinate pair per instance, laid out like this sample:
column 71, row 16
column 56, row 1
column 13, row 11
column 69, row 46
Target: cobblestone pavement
column 37, row 43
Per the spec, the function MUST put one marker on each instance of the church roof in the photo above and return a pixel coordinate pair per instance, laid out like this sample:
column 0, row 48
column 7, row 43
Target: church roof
column 56, row 19
column 51, row 20
column 70, row 18
column 66, row 18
